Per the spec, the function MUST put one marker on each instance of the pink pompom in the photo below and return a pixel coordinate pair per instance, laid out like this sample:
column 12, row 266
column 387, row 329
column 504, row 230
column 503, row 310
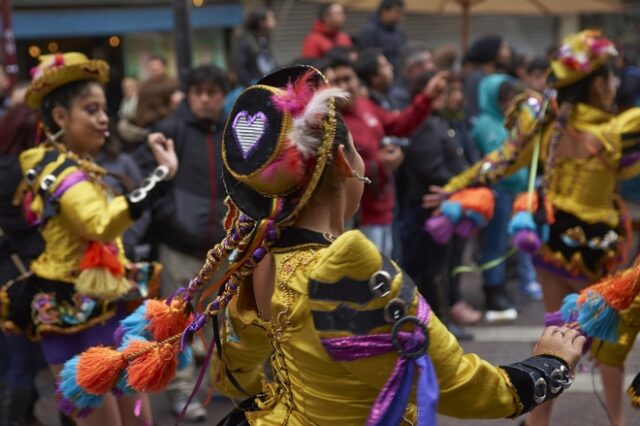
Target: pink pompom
column 466, row 228
column 440, row 228
column 527, row 241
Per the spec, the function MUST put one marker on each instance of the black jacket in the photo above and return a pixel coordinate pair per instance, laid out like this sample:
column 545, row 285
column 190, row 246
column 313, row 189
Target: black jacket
column 435, row 155
column 252, row 58
column 189, row 219
column 19, row 238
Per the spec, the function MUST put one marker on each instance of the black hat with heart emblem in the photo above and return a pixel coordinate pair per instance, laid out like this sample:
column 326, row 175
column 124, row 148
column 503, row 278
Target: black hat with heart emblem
column 276, row 142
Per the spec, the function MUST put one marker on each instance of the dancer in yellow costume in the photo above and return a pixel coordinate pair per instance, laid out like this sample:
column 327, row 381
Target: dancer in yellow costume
column 344, row 329
column 584, row 151
column 73, row 298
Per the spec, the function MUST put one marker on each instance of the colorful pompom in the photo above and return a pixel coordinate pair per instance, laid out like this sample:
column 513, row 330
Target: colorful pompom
column 166, row 320
column 569, row 308
column 597, row 319
column 98, row 369
column 440, row 228
column 151, row 366
column 73, row 399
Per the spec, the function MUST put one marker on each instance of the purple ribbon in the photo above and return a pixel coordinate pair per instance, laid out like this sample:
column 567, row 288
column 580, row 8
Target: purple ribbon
column 187, row 336
column 392, row 400
column 73, row 178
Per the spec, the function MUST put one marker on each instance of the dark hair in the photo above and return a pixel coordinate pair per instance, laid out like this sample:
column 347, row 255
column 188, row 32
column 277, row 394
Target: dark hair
column 209, row 74
column 154, row 100
column 507, row 90
column 158, row 58
column 578, row 92
column 18, row 128
column 323, row 10
column 390, row 4
column 62, row 96
column 367, row 65
column 337, row 58
column 255, row 18
column 538, row 63
column 484, row 50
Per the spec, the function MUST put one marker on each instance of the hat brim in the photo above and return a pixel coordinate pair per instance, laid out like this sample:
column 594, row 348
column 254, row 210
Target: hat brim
column 258, row 205
column 93, row 69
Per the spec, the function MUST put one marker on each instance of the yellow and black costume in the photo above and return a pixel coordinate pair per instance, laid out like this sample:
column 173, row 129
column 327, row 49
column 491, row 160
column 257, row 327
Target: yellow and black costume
column 584, row 236
column 348, row 333
column 71, row 298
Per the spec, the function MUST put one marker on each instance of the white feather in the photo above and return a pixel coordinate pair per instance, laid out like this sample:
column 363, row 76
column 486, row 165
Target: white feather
column 306, row 130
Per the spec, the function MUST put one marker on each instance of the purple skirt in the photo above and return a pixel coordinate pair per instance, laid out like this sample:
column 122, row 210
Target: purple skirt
column 59, row 348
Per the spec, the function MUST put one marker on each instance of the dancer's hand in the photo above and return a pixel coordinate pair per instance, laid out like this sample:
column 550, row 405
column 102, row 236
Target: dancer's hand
column 563, row 342
column 163, row 152
column 436, row 196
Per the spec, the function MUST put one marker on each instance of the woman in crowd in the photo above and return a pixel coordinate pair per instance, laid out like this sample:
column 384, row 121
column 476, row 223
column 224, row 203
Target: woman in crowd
column 71, row 301
column 335, row 318
column 584, row 151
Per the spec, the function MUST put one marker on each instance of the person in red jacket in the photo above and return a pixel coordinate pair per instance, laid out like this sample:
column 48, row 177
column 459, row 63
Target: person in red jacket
column 327, row 32
column 369, row 124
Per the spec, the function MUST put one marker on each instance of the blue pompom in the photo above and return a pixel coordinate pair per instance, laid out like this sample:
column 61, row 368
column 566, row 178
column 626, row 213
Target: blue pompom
column 136, row 323
column 70, row 390
column 569, row 308
column 521, row 221
column 476, row 217
column 452, row 210
column 597, row 319
column 184, row 358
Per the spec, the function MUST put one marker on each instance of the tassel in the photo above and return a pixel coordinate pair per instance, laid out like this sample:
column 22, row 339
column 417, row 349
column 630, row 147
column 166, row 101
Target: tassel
column 465, row 228
column 98, row 369
column 135, row 324
column 479, row 200
column 74, row 399
column 151, row 366
column 597, row 319
column 165, row 320
column 452, row 211
column 634, row 392
column 122, row 385
column 527, row 241
column 569, row 308
column 100, row 283
column 440, row 228
column 99, row 255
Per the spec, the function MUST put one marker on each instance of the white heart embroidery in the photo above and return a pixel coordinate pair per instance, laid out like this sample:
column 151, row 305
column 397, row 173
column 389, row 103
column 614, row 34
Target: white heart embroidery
column 248, row 130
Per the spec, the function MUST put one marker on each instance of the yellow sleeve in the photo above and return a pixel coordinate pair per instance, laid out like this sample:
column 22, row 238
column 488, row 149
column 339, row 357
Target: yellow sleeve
column 515, row 154
column 628, row 126
column 470, row 387
column 84, row 207
column 615, row 354
column 245, row 351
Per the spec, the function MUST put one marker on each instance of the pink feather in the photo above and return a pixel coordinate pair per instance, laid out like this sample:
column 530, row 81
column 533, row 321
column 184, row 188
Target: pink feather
column 296, row 96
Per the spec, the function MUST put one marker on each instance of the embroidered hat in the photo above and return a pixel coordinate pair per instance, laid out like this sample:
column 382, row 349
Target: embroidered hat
column 277, row 139
column 579, row 55
column 59, row 69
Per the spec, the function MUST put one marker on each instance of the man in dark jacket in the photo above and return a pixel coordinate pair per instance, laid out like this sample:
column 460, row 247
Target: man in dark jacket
column 436, row 154
column 189, row 221
column 384, row 32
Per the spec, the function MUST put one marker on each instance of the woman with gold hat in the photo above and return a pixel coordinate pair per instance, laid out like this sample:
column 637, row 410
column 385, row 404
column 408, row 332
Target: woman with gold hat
column 344, row 329
column 75, row 294
column 584, row 151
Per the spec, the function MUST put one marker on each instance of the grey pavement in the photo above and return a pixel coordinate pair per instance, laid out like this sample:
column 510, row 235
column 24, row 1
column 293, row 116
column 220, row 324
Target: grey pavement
column 498, row 344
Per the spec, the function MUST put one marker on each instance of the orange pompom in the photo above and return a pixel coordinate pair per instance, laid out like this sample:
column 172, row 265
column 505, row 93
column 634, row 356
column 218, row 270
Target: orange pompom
column 480, row 200
column 98, row 255
column 164, row 320
column 619, row 290
column 99, row 368
column 151, row 366
column 521, row 204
